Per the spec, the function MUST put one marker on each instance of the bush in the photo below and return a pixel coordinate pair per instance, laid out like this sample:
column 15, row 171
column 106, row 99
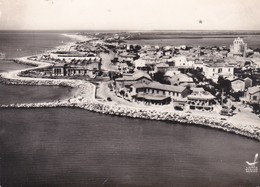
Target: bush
column 178, row 108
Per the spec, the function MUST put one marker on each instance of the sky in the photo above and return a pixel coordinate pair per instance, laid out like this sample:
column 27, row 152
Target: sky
column 129, row 15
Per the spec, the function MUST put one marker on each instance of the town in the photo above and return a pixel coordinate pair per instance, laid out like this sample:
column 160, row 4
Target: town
column 215, row 79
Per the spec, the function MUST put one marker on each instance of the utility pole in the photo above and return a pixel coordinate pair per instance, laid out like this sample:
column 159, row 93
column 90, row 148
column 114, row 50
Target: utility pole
column 222, row 97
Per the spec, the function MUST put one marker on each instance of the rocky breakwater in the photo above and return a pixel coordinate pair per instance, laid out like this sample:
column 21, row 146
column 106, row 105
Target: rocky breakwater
column 172, row 116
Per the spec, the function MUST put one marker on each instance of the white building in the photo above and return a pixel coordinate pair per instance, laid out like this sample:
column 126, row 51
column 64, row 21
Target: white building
column 182, row 62
column 213, row 71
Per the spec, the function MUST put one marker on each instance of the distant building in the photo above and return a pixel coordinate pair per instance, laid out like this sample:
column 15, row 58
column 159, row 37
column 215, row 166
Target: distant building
column 127, row 57
column 238, row 48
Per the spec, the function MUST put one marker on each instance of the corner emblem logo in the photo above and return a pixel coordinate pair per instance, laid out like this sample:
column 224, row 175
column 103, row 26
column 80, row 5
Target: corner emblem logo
column 251, row 166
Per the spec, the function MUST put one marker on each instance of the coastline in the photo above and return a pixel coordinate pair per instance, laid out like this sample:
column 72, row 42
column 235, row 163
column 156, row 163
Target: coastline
column 84, row 98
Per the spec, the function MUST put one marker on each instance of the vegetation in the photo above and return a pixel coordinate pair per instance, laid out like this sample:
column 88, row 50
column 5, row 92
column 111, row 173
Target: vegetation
column 159, row 77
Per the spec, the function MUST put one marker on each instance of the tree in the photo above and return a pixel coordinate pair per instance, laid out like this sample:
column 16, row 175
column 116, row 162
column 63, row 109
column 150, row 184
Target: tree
column 256, row 108
column 224, row 85
column 159, row 77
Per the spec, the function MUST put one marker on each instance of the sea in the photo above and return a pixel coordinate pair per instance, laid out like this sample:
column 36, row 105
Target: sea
column 69, row 147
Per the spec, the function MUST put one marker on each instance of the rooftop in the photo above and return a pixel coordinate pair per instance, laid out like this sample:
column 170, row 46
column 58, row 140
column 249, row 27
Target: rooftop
column 159, row 86
column 253, row 90
column 201, row 96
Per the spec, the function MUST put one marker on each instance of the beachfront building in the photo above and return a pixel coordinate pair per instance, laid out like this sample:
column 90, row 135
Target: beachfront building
column 203, row 101
column 252, row 95
column 238, row 48
column 214, row 70
column 58, row 69
column 69, row 56
column 128, row 80
column 62, row 69
column 154, row 92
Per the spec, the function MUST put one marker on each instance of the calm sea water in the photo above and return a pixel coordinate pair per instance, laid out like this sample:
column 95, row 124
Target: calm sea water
column 18, row 44
column 73, row 147
column 32, row 94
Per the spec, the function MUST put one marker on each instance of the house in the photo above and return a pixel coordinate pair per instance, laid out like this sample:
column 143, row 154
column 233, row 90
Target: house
column 161, row 67
column 150, row 59
column 237, row 84
column 203, row 101
column 128, row 80
column 214, row 70
column 253, row 95
column 157, row 90
column 182, row 62
column 179, row 79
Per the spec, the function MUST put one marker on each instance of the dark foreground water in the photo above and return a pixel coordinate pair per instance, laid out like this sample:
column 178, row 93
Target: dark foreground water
column 73, row 147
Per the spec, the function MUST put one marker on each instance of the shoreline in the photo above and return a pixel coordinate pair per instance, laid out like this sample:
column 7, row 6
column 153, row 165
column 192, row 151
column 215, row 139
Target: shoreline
column 84, row 98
